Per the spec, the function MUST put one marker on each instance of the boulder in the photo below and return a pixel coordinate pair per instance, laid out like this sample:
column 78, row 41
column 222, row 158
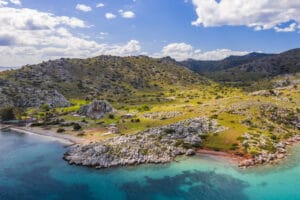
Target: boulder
column 190, row 152
column 96, row 110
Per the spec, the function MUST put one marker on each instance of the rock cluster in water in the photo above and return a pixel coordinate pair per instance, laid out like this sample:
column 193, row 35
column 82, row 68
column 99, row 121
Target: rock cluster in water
column 156, row 145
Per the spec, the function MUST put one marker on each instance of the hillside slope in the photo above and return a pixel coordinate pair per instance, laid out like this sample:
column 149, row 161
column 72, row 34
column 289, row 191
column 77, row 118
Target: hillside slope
column 105, row 77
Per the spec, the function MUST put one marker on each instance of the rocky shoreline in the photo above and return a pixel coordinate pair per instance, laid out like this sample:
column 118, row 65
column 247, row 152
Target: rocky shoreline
column 164, row 144
column 156, row 145
column 270, row 158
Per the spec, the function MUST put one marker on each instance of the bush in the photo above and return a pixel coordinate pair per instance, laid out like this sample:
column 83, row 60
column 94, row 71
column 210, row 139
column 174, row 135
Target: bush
column 76, row 127
column 187, row 145
column 234, row 146
column 7, row 114
column 45, row 107
column 111, row 116
column 178, row 143
column 135, row 120
column 215, row 116
column 216, row 148
column 60, row 130
column 144, row 108
column 169, row 131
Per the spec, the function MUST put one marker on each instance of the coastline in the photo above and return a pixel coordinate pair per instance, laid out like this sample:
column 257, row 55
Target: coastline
column 246, row 162
column 223, row 156
column 64, row 139
column 220, row 155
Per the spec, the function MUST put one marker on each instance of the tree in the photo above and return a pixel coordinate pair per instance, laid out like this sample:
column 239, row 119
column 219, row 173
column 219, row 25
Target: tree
column 7, row 114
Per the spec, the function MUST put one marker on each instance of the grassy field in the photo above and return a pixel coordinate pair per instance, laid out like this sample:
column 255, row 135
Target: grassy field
column 238, row 111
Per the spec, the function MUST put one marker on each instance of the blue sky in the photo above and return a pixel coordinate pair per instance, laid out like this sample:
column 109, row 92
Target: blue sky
column 200, row 29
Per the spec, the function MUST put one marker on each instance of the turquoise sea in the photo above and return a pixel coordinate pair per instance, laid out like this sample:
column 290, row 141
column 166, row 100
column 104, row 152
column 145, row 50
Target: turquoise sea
column 31, row 168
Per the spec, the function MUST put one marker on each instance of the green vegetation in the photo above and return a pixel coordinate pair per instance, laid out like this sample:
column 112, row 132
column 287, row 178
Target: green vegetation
column 149, row 93
column 7, row 114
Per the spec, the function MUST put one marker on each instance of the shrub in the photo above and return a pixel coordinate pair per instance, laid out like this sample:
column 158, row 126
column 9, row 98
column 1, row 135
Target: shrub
column 215, row 116
column 178, row 143
column 45, row 107
column 111, row 116
column 7, row 114
column 216, row 148
column 135, row 120
column 60, row 130
column 144, row 108
column 187, row 145
column 76, row 127
column 234, row 146
column 169, row 130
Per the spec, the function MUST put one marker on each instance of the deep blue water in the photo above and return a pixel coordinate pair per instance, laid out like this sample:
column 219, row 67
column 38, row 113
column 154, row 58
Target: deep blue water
column 31, row 168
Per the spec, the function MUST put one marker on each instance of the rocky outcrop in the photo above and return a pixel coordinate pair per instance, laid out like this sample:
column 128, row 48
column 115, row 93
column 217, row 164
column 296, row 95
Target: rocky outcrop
column 156, row 145
column 162, row 115
column 267, row 157
column 96, row 110
column 32, row 97
column 36, row 97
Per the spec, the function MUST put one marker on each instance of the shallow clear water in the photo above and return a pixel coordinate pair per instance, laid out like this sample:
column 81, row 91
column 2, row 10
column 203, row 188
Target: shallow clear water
column 32, row 168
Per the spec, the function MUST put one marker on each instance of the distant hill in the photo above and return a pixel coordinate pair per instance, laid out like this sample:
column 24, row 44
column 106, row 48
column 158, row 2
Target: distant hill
column 107, row 77
column 244, row 70
column 229, row 62
column 6, row 68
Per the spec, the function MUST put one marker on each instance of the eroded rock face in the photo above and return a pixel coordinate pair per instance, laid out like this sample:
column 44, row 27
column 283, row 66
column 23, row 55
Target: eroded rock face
column 156, row 145
column 32, row 97
column 96, row 110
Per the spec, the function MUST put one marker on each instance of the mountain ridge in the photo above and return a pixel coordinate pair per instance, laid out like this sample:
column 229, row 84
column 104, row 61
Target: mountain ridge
column 259, row 67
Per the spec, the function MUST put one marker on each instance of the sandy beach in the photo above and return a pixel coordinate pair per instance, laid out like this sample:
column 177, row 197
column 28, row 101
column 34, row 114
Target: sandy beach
column 63, row 138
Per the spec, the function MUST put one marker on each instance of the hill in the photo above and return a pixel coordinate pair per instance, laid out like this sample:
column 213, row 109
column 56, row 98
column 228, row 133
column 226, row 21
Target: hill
column 229, row 62
column 246, row 70
column 157, row 103
column 105, row 77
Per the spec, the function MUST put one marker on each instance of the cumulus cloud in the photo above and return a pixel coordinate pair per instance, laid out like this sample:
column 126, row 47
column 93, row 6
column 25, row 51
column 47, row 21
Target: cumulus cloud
column 3, row 3
column 259, row 14
column 110, row 16
column 16, row 2
column 183, row 51
column 29, row 36
column 291, row 28
column 83, row 8
column 99, row 5
column 127, row 14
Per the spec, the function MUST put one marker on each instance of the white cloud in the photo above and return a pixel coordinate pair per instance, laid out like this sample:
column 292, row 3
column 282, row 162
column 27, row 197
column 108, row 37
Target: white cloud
column 3, row 3
column 100, row 5
column 29, row 36
column 291, row 28
column 102, row 35
column 83, row 8
column 183, row 51
column 127, row 14
column 16, row 2
column 110, row 16
column 259, row 14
